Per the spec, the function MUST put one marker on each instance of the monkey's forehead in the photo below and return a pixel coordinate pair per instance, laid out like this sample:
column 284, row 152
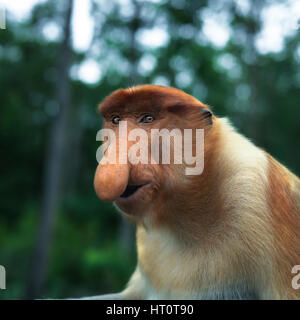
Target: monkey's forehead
column 147, row 98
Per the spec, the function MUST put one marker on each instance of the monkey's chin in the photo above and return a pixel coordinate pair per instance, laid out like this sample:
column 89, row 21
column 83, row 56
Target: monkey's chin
column 135, row 200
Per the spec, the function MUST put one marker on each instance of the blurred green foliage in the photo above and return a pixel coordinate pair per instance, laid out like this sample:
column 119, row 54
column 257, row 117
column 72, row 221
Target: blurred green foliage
column 260, row 93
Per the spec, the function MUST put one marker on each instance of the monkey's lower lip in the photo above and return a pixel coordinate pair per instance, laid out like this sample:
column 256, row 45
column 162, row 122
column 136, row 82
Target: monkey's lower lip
column 131, row 190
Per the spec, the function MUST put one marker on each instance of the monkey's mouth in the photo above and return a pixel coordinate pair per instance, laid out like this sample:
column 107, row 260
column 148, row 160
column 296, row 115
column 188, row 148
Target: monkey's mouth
column 131, row 190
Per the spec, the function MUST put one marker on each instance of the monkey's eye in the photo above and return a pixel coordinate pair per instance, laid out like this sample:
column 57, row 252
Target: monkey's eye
column 147, row 119
column 116, row 120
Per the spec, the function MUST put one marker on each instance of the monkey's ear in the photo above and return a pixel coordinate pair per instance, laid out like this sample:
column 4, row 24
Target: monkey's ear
column 206, row 115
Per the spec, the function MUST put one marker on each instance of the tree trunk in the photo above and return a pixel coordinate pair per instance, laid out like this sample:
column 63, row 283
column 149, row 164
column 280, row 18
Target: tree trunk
column 54, row 165
column 254, row 116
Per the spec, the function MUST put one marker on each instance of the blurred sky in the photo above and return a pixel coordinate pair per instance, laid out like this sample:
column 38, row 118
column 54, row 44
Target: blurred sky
column 279, row 20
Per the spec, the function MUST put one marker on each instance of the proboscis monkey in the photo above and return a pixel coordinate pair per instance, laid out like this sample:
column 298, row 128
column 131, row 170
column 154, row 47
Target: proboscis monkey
column 231, row 232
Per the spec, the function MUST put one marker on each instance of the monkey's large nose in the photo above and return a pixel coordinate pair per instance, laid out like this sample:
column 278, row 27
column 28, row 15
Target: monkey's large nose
column 111, row 180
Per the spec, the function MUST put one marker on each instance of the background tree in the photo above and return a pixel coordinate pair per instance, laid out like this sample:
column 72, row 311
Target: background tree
column 55, row 161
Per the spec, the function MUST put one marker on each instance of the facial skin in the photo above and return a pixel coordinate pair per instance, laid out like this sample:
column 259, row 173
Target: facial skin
column 137, row 189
